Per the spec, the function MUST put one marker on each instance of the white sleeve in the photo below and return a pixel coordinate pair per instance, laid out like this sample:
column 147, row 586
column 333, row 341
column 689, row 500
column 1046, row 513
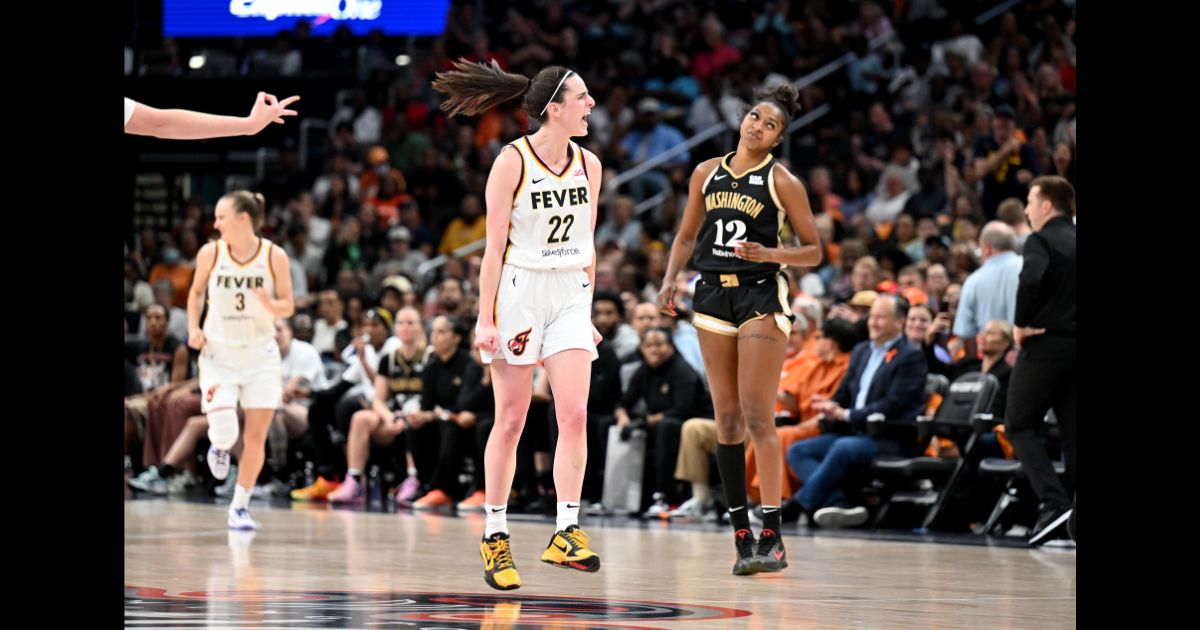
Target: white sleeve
column 311, row 367
column 389, row 346
column 129, row 105
column 347, row 352
column 307, row 362
column 354, row 372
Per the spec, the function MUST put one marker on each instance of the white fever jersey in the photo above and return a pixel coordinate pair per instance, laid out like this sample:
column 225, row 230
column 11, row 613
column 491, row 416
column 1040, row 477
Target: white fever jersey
column 235, row 314
column 551, row 222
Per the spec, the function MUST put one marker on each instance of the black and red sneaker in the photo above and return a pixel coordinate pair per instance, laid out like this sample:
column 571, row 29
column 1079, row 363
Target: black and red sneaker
column 770, row 557
column 744, row 541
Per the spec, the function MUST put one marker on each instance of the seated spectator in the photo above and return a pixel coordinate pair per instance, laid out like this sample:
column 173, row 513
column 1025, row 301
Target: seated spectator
column 672, row 393
column 399, row 382
column 886, row 376
column 439, row 436
column 928, row 332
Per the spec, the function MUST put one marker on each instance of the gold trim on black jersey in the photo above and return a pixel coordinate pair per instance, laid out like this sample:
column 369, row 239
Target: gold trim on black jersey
column 727, row 167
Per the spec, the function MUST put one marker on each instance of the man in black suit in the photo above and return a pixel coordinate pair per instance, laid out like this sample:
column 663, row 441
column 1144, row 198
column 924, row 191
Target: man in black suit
column 886, row 376
column 1045, row 375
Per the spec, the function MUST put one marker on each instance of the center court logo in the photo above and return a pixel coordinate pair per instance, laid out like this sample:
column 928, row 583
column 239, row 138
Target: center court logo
column 446, row 611
column 517, row 344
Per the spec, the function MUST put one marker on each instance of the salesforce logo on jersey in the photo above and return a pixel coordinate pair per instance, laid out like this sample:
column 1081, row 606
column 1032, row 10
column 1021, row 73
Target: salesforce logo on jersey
column 560, row 252
column 265, row 18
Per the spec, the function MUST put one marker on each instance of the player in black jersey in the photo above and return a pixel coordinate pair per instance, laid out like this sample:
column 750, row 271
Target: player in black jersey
column 735, row 211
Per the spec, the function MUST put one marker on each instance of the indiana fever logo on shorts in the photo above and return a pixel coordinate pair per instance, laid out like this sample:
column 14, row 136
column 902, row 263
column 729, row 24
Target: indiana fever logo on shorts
column 212, row 391
column 517, row 344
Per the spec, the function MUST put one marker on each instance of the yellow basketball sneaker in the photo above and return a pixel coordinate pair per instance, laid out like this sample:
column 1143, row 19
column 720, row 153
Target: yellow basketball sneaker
column 318, row 491
column 569, row 549
column 498, row 568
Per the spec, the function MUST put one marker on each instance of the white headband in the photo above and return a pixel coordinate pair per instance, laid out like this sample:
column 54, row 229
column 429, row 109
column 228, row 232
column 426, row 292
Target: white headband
column 555, row 93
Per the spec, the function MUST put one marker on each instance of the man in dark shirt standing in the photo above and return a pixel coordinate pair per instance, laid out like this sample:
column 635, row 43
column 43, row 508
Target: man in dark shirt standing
column 1004, row 162
column 1045, row 374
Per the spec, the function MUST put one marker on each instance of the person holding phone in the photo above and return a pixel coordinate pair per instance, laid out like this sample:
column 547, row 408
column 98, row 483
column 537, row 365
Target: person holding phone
column 929, row 333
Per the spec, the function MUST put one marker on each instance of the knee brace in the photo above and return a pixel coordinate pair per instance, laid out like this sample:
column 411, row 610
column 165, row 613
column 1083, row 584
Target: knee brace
column 223, row 428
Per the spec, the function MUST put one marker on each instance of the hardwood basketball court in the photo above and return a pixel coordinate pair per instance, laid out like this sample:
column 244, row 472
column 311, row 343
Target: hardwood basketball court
column 315, row 567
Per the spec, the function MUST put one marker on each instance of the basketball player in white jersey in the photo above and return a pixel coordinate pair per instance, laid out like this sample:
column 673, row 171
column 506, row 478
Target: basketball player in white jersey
column 248, row 284
column 535, row 292
column 184, row 124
